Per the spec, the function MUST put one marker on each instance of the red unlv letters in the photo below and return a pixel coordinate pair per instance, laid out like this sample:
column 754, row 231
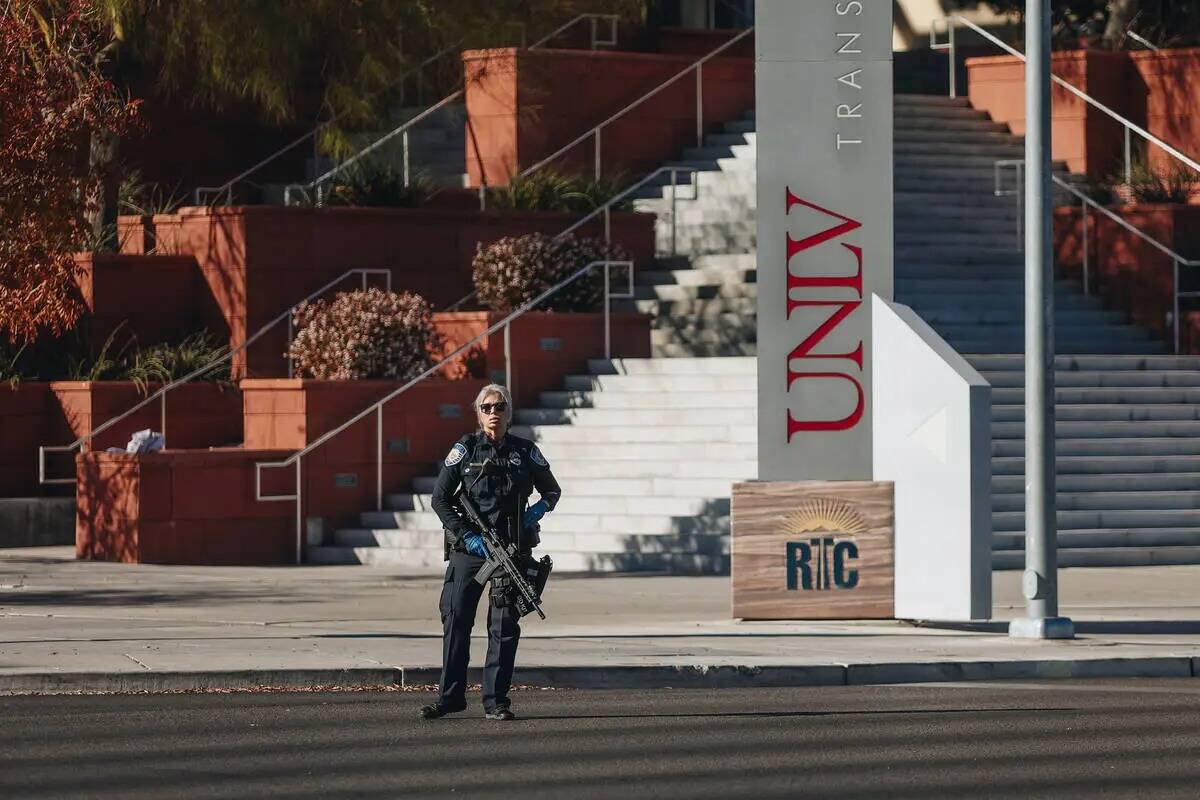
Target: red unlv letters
column 799, row 295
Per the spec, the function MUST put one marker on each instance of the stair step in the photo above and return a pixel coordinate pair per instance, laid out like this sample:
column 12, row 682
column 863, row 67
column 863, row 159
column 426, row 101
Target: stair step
column 681, row 366
column 1009, row 521
column 1110, row 501
column 637, row 417
column 685, row 349
column 1103, row 465
column 1106, row 430
column 675, row 401
column 1114, row 537
column 1111, row 481
column 657, row 384
column 942, row 125
column 1107, row 557
column 909, row 100
column 1105, row 446
column 1162, row 366
column 736, row 433
column 654, row 515
column 1103, row 412
column 657, row 451
column 744, row 469
column 1103, row 396
column 428, row 561
column 596, row 542
column 1115, row 379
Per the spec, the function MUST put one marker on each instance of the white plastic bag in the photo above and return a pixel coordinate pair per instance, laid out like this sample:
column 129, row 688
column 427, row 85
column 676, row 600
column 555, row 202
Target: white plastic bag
column 146, row 441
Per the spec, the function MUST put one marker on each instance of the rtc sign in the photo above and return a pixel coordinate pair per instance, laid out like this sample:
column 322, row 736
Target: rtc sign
column 824, row 123
column 813, row 550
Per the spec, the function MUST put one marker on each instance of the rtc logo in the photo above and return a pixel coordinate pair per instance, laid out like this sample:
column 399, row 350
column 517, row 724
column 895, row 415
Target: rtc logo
column 800, row 295
column 823, row 562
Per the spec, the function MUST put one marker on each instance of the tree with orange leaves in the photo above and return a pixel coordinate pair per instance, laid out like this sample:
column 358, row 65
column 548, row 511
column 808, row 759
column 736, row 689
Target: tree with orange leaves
column 52, row 102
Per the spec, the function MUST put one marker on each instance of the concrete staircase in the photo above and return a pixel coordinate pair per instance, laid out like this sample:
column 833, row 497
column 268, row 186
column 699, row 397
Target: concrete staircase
column 645, row 450
column 437, row 149
column 1128, row 432
column 437, row 145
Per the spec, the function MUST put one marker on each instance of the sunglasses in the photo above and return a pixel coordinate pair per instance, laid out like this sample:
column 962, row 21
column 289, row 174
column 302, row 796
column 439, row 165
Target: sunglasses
column 487, row 408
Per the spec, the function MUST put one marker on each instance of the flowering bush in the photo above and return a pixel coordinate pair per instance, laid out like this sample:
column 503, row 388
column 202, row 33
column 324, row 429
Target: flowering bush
column 364, row 334
column 514, row 270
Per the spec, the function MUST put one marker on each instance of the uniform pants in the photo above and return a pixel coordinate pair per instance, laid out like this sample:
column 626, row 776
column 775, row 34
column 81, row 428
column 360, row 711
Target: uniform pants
column 460, row 600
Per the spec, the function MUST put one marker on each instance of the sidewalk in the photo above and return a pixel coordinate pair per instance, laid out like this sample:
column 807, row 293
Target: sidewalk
column 68, row 625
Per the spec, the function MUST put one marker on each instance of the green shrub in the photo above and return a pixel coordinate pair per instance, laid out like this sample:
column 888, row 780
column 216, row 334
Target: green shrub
column 163, row 363
column 71, row 357
column 547, row 190
column 1148, row 184
column 368, row 184
column 364, row 334
column 512, row 271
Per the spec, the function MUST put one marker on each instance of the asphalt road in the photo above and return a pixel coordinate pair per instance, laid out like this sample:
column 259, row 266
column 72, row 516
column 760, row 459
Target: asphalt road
column 1046, row 739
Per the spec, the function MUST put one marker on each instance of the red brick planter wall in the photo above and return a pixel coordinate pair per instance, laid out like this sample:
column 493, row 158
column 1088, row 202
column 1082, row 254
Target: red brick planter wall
column 1170, row 81
column 182, row 508
column 1087, row 139
column 340, row 476
column 256, row 261
column 156, row 297
column 522, row 105
column 199, row 414
column 699, row 42
column 546, row 347
column 1128, row 272
column 25, row 413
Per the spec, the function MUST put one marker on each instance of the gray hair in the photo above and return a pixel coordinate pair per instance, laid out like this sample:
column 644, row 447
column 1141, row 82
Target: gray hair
column 494, row 388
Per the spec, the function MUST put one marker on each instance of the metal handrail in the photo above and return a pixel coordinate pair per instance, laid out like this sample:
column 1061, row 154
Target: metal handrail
column 377, row 407
column 698, row 66
column 227, row 188
column 1087, row 203
column 606, row 209
column 161, row 394
column 403, row 129
column 950, row 21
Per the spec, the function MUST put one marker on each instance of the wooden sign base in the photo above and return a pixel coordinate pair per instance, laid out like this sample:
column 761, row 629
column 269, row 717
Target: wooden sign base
column 813, row 550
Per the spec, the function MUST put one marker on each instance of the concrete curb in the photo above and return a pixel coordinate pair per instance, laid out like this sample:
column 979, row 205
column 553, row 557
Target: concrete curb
column 625, row 677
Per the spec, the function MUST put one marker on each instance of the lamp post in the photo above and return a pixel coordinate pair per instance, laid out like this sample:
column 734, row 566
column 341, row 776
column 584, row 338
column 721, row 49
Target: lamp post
column 1040, row 583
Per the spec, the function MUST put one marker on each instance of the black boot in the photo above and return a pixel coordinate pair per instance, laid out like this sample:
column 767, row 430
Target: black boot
column 435, row 710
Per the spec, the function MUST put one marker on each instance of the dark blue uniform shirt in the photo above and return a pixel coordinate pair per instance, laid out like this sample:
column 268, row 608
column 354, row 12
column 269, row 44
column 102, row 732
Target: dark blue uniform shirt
column 515, row 467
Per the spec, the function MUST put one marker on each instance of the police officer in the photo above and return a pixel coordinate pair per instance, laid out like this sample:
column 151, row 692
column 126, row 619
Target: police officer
column 499, row 471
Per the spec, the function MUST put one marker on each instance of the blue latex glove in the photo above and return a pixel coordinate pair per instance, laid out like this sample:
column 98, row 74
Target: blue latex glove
column 534, row 513
column 475, row 545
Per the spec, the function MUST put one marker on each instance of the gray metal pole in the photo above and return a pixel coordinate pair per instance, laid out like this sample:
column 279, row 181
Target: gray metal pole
column 1041, row 541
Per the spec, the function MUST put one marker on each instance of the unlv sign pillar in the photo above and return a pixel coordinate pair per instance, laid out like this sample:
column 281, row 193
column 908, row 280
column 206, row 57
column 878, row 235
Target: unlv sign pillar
column 813, row 537
column 824, row 124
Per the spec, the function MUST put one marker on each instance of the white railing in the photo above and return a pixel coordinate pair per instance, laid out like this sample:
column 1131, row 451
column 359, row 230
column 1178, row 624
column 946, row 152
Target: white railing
column 604, row 211
column 314, row 191
column 1086, row 205
column 161, row 394
column 211, row 195
column 376, row 408
column 596, row 132
column 949, row 25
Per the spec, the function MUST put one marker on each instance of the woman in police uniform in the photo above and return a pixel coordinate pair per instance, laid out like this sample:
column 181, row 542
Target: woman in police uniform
column 499, row 472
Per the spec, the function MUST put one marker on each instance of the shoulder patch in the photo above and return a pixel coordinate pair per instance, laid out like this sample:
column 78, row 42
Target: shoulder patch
column 537, row 457
column 456, row 454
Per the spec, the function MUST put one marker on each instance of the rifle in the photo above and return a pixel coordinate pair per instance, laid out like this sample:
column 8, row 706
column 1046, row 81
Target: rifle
column 501, row 556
